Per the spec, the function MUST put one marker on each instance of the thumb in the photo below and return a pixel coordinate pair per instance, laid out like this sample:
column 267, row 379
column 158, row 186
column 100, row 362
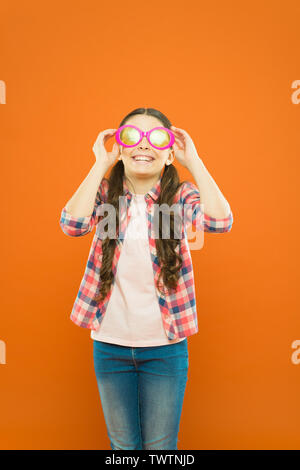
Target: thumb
column 118, row 151
column 115, row 149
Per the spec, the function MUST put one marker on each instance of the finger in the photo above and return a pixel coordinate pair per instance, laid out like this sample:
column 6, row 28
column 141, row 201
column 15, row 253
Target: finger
column 108, row 133
column 180, row 146
column 182, row 138
column 179, row 139
column 179, row 135
column 179, row 131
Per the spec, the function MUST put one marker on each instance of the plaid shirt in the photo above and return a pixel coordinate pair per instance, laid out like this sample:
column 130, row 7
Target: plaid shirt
column 178, row 308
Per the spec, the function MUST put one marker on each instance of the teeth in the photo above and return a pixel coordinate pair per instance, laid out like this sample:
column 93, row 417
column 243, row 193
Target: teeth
column 143, row 159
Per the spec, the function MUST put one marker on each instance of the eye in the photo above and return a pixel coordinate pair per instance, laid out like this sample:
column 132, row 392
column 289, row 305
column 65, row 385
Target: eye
column 129, row 135
column 159, row 137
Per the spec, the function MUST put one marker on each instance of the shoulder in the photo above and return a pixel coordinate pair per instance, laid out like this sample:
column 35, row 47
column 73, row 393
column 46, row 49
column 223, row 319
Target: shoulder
column 188, row 189
column 103, row 189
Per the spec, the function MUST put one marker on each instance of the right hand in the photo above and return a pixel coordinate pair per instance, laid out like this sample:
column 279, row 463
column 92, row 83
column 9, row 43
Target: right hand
column 101, row 154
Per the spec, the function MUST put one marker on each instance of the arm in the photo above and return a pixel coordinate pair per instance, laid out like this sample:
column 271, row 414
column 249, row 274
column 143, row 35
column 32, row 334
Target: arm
column 190, row 196
column 78, row 217
column 213, row 211
column 214, row 202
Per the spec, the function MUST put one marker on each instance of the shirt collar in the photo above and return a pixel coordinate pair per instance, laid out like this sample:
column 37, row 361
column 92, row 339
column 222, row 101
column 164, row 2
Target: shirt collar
column 153, row 192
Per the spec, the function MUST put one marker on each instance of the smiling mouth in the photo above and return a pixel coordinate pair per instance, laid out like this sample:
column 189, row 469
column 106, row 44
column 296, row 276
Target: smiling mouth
column 142, row 159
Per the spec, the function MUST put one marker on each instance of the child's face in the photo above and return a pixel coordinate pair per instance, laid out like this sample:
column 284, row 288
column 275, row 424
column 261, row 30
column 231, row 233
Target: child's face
column 160, row 157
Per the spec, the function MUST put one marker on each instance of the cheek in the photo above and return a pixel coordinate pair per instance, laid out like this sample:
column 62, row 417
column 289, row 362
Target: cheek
column 127, row 156
column 161, row 163
column 163, row 157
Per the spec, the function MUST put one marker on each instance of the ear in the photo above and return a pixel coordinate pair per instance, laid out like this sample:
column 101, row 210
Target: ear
column 120, row 150
column 171, row 157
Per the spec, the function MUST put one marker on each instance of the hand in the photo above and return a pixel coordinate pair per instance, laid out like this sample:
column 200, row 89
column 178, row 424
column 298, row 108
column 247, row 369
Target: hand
column 184, row 147
column 101, row 154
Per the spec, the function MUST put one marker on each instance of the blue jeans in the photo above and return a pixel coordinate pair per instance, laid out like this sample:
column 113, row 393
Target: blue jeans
column 141, row 390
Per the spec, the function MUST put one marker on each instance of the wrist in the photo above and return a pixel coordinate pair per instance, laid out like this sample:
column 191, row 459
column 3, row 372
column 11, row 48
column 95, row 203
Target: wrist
column 100, row 165
column 194, row 163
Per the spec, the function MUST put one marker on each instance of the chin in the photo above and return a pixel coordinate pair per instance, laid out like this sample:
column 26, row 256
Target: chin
column 143, row 172
column 140, row 170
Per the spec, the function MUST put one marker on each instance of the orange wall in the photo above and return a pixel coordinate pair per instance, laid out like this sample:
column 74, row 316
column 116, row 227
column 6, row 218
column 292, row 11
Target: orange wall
column 223, row 71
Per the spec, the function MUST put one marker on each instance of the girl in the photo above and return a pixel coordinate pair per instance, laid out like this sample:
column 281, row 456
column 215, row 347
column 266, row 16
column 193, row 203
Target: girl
column 137, row 295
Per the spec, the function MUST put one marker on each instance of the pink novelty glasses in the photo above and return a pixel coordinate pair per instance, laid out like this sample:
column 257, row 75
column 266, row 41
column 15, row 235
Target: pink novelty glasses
column 159, row 137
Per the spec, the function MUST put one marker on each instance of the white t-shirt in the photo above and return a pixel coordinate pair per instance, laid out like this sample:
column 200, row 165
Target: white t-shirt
column 133, row 316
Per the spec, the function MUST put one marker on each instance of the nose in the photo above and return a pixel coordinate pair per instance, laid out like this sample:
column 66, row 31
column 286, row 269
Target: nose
column 144, row 143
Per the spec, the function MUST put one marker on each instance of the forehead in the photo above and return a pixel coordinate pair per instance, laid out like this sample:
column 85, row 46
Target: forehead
column 144, row 122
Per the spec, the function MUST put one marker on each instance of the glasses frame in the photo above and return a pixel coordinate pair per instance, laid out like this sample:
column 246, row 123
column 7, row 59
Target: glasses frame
column 147, row 134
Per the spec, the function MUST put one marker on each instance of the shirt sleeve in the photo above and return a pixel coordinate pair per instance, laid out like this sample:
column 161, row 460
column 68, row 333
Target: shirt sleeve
column 193, row 210
column 79, row 226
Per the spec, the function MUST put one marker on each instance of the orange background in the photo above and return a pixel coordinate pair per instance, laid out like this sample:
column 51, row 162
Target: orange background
column 223, row 71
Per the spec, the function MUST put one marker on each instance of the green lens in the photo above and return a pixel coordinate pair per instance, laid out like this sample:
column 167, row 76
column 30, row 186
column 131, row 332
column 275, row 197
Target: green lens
column 129, row 136
column 160, row 138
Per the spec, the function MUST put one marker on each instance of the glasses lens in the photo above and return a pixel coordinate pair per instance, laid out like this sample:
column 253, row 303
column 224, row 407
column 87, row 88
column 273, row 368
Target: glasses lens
column 160, row 138
column 129, row 136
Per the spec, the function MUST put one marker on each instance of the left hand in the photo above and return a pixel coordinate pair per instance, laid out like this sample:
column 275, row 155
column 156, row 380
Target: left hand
column 184, row 147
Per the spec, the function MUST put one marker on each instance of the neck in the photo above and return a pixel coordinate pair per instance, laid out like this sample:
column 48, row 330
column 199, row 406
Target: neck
column 141, row 185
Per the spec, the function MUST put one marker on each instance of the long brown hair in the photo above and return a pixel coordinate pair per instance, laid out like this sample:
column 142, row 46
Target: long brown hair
column 170, row 262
